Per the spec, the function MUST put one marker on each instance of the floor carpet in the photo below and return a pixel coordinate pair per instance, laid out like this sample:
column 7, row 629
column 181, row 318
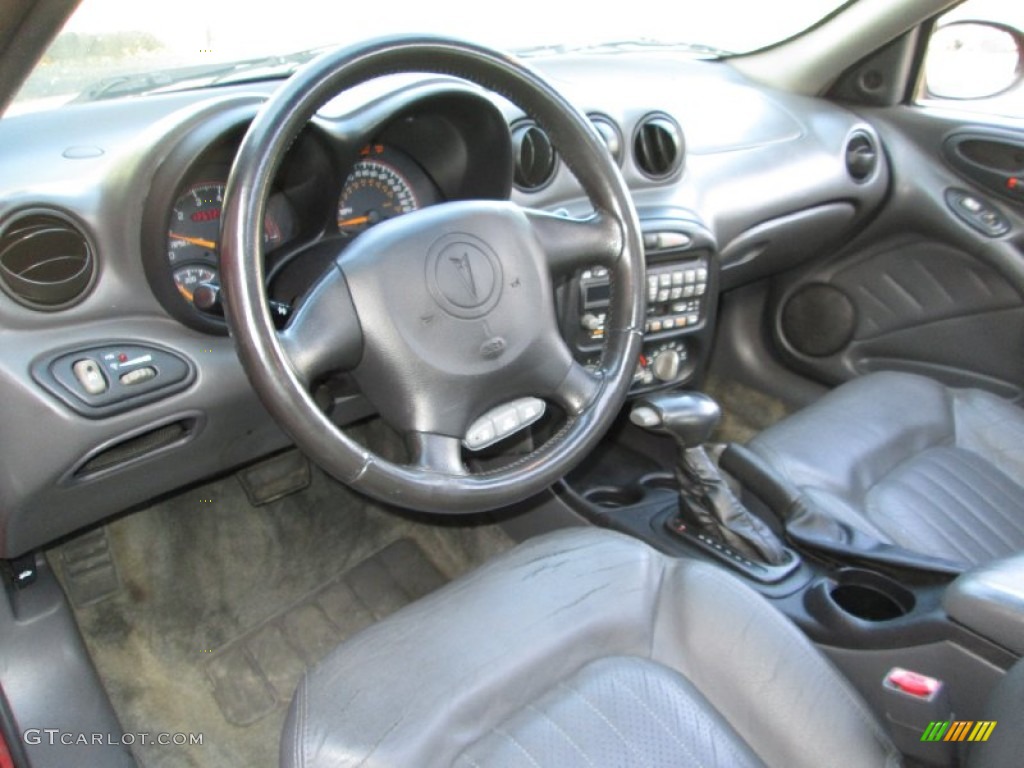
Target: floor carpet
column 745, row 410
column 204, row 610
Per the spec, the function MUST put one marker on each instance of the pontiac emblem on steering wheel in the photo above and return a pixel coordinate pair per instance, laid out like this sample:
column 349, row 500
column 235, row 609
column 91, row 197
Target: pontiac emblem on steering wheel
column 464, row 275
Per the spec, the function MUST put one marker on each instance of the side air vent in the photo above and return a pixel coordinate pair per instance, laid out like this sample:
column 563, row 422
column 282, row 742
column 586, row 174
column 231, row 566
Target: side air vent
column 46, row 262
column 534, row 155
column 658, row 146
column 861, row 156
column 610, row 133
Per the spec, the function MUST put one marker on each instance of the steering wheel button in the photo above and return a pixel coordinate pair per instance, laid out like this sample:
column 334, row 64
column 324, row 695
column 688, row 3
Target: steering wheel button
column 506, row 422
column 480, row 435
column 530, row 409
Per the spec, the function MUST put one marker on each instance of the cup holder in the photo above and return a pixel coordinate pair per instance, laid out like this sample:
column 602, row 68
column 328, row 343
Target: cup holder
column 640, row 491
column 613, row 498
column 860, row 594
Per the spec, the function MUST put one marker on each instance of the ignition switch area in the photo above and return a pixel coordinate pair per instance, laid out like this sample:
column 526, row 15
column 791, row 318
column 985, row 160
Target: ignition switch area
column 113, row 376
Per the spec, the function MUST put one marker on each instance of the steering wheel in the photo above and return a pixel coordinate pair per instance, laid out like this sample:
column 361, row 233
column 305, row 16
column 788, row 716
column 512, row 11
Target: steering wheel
column 443, row 314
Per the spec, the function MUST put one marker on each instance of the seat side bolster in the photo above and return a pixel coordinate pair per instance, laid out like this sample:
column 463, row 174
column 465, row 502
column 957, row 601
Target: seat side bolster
column 991, row 427
column 764, row 676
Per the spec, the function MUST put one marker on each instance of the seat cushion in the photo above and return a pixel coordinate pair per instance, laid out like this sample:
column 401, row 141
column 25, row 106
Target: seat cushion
column 556, row 635
column 614, row 711
column 911, row 462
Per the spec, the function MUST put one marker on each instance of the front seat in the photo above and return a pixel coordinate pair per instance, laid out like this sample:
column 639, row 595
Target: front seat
column 582, row 648
column 905, row 461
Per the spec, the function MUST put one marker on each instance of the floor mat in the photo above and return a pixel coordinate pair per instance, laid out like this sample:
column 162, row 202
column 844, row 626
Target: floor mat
column 222, row 604
column 257, row 674
column 745, row 410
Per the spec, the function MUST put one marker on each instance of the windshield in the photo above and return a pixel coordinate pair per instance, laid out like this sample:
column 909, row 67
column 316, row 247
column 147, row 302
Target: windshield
column 115, row 48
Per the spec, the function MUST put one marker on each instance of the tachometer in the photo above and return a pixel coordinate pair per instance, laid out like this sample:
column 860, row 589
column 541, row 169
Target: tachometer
column 195, row 225
column 375, row 190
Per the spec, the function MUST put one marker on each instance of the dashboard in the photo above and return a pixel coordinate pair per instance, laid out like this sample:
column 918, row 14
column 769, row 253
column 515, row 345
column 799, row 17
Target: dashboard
column 119, row 373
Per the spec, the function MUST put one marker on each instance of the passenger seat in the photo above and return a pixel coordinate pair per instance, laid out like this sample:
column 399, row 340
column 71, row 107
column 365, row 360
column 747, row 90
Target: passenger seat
column 899, row 462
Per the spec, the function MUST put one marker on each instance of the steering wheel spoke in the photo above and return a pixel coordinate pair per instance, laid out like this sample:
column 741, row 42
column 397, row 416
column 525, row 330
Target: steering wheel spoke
column 323, row 334
column 436, row 453
column 577, row 390
column 572, row 244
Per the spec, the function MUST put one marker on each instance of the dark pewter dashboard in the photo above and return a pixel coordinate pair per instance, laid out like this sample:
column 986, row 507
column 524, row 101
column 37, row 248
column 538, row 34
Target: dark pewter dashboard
column 120, row 381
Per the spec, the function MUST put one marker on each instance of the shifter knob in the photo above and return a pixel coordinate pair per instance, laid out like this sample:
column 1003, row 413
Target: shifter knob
column 690, row 417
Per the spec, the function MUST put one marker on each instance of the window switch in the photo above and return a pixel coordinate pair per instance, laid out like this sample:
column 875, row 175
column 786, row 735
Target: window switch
column 90, row 376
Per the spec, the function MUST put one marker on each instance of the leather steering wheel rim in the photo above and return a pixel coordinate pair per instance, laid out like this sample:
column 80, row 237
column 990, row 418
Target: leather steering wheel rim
column 591, row 400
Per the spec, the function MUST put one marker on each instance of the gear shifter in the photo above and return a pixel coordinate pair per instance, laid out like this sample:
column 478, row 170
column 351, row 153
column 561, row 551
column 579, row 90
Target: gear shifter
column 690, row 417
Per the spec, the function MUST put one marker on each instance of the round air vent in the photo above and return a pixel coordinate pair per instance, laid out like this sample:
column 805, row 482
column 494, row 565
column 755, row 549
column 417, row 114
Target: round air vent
column 534, row 155
column 610, row 133
column 46, row 262
column 861, row 156
column 658, row 146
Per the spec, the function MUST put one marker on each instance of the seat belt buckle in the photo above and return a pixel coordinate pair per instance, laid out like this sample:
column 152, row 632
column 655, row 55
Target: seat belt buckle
column 914, row 704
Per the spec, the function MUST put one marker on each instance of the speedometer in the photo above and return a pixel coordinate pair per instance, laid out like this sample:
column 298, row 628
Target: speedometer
column 375, row 190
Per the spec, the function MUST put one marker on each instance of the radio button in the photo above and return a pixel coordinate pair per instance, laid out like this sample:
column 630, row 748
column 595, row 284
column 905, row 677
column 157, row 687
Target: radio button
column 664, row 279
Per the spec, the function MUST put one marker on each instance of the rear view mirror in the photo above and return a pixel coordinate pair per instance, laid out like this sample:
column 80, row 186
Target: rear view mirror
column 973, row 60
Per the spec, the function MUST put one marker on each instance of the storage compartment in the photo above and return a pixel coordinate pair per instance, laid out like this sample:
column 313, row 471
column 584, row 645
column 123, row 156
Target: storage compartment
column 989, row 599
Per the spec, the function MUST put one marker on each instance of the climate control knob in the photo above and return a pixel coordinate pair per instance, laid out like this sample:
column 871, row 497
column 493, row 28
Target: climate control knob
column 666, row 365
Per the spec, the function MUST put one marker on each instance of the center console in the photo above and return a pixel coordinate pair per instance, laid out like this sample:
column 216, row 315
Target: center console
column 682, row 290
column 924, row 648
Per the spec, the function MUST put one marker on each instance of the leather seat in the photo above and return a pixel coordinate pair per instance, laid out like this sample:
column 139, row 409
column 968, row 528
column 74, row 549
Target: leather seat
column 582, row 648
column 909, row 462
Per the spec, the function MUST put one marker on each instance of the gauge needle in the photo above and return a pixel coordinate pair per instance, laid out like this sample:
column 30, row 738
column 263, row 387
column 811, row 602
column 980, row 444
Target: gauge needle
column 354, row 222
column 195, row 241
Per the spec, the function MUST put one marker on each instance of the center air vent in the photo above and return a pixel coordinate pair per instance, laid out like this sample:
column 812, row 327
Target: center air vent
column 658, row 146
column 45, row 261
column 534, row 155
column 861, row 156
column 609, row 132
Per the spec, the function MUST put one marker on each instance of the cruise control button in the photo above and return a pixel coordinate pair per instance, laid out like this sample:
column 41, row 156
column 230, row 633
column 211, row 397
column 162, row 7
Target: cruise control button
column 480, row 434
column 500, row 422
column 530, row 409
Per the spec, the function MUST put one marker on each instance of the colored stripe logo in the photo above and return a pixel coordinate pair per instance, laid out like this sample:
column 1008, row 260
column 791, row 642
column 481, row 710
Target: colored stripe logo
column 959, row 730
